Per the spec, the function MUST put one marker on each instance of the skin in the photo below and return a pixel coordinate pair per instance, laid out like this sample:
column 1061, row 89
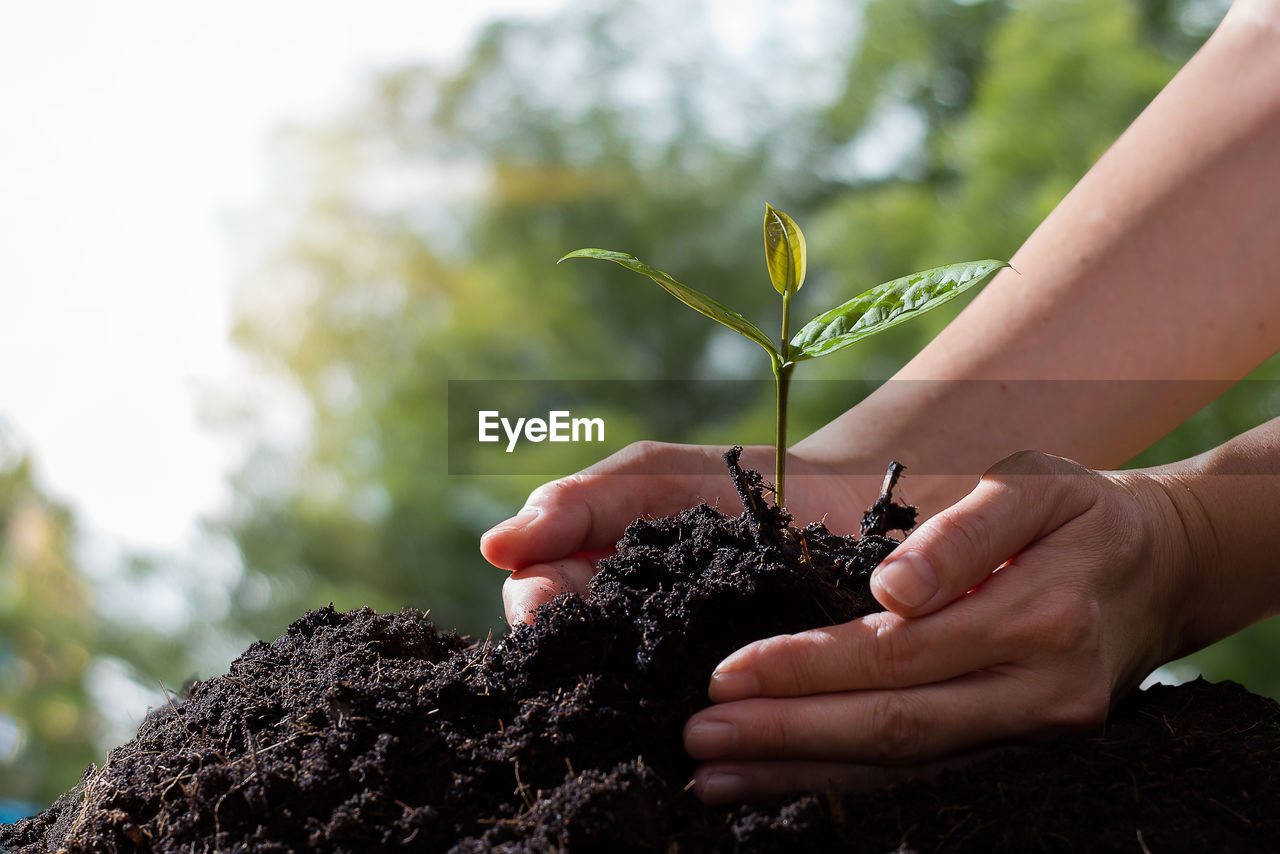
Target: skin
column 1053, row 590
column 1037, row 590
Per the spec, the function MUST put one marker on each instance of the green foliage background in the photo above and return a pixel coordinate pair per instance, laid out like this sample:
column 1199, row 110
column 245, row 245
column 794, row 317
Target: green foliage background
column 411, row 241
column 47, row 636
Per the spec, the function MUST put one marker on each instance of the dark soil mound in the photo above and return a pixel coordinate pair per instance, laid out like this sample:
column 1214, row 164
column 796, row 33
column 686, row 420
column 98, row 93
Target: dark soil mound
column 362, row 732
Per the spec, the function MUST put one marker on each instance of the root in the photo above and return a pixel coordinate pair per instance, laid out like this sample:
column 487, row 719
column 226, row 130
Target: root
column 768, row 524
column 885, row 515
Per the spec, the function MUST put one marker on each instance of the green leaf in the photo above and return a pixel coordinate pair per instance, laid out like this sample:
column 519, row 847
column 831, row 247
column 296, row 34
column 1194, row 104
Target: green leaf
column 697, row 301
column 784, row 251
column 888, row 305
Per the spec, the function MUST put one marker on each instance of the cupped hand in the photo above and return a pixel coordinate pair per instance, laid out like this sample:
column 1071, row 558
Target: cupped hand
column 554, row 544
column 1025, row 609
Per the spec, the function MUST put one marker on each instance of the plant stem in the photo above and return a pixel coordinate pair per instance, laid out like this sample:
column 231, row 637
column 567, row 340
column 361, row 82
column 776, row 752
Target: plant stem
column 782, row 379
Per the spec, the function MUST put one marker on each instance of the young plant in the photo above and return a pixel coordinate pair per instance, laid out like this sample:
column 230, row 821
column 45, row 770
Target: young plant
column 872, row 311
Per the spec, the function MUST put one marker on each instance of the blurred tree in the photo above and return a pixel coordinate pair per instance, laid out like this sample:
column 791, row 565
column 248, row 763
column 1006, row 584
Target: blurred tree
column 48, row 723
column 1006, row 110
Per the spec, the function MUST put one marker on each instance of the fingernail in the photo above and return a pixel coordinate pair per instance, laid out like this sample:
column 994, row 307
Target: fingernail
column 731, row 685
column 909, row 579
column 722, row 788
column 515, row 523
column 710, row 739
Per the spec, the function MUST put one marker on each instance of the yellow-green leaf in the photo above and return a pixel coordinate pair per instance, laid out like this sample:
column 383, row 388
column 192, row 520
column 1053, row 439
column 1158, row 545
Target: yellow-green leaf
column 784, row 251
column 888, row 305
column 696, row 300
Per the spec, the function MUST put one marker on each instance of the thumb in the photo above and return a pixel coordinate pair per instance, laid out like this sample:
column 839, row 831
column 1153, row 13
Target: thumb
column 1019, row 500
column 588, row 511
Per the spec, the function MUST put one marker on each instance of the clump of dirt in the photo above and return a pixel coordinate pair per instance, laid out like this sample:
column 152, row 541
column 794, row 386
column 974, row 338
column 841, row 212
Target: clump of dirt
column 364, row 731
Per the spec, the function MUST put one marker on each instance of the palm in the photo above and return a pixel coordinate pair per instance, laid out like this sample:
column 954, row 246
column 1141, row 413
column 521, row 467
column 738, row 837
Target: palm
column 582, row 516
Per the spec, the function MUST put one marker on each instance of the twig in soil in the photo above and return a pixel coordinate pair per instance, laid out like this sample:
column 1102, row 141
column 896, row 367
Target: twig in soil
column 885, row 516
column 1137, row 792
column 167, row 698
column 98, row 776
column 177, row 781
column 252, row 744
column 956, row 826
column 825, row 612
column 891, row 478
column 476, row 658
column 217, row 822
column 254, row 754
column 1230, row 810
column 906, row 834
column 521, row 787
column 742, row 483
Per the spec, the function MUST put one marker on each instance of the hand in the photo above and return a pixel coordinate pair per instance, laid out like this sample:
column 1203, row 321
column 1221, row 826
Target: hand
column 554, row 544
column 1023, row 610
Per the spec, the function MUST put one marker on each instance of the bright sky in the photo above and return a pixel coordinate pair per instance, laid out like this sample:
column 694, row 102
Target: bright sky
column 131, row 129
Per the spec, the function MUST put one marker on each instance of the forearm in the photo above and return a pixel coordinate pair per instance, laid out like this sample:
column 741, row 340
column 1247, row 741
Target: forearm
column 1226, row 504
column 1149, row 289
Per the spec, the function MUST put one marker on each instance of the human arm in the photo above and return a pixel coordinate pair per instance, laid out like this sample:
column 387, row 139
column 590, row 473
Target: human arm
column 1151, row 288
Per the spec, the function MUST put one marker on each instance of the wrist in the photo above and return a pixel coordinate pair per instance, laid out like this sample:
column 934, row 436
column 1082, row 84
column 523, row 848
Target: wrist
column 1186, row 543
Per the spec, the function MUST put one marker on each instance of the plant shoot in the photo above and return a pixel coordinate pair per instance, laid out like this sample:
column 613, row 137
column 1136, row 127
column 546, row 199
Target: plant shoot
column 872, row 311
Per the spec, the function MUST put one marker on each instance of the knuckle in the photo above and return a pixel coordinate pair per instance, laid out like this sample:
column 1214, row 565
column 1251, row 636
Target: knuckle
column 1072, row 634
column 803, row 663
column 557, row 491
column 641, row 455
column 780, row 662
column 767, row 731
column 1121, row 525
column 1073, row 626
column 1022, row 462
column 645, row 448
column 888, row 658
column 895, row 726
column 1085, row 707
column 961, row 533
column 1038, row 477
column 800, row 657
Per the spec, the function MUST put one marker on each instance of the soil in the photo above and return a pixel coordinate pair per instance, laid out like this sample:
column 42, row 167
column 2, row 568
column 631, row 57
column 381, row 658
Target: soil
column 365, row 731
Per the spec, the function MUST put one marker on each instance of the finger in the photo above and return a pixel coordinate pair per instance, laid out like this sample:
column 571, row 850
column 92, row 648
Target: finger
column 526, row 589
column 892, row 727
column 878, row 651
column 722, row 783
column 1020, row 499
column 590, row 510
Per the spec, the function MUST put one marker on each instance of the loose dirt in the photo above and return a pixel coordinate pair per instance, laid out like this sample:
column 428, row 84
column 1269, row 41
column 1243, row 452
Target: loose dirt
column 368, row 732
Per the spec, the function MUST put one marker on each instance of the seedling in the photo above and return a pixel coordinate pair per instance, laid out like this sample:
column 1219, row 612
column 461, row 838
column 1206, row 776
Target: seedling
column 872, row 311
